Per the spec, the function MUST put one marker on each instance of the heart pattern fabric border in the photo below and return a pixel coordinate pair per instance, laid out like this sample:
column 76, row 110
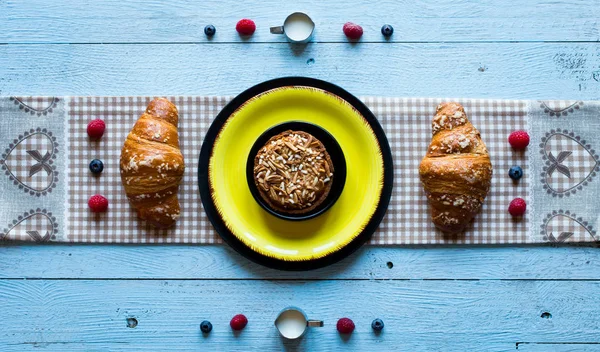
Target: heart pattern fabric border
column 570, row 163
column 46, row 183
column 36, row 105
column 35, row 225
column 33, row 190
column 28, row 161
column 560, row 107
column 567, row 164
column 563, row 226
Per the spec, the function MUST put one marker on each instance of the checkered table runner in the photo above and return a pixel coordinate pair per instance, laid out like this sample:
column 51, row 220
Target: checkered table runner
column 47, row 183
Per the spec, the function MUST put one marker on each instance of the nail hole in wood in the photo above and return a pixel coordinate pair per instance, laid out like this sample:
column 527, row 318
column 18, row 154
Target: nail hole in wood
column 132, row 322
column 390, row 265
column 546, row 315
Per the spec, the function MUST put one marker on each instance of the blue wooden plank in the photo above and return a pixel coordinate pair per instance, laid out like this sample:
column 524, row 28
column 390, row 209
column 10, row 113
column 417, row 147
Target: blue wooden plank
column 370, row 263
column 183, row 21
column 468, row 70
column 419, row 315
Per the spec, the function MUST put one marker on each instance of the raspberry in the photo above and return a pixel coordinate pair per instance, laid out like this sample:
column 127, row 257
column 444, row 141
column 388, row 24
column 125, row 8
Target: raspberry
column 238, row 322
column 519, row 139
column 95, row 129
column 353, row 31
column 98, row 204
column 517, row 207
column 345, row 326
column 245, row 27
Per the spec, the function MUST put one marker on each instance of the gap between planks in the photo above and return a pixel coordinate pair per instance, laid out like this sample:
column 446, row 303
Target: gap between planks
column 278, row 279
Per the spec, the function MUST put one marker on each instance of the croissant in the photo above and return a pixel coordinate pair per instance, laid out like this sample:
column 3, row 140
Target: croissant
column 152, row 165
column 456, row 172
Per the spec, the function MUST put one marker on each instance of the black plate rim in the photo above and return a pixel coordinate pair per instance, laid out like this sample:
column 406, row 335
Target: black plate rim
column 335, row 153
column 239, row 246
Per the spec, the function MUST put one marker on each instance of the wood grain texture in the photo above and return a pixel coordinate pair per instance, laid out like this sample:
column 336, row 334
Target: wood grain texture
column 369, row 263
column 467, row 70
column 55, row 314
column 77, row 298
column 139, row 21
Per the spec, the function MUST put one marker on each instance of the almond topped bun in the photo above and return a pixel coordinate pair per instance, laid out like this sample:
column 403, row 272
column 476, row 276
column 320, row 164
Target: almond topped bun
column 293, row 172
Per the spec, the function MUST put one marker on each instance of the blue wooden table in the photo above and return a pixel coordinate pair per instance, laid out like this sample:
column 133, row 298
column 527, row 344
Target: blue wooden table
column 152, row 298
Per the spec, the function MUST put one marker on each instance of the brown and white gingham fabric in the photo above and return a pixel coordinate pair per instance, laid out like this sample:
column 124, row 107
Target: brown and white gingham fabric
column 407, row 124
column 120, row 224
column 405, row 121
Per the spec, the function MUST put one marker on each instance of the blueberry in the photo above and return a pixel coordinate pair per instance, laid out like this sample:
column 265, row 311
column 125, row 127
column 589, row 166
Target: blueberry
column 387, row 30
column 210, row 30
column 96, row 166
column 515, row 172
column 206, row 326
column 377, row 325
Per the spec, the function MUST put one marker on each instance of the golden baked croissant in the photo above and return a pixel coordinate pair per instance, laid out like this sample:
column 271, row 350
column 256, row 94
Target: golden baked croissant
column 456, row 171
column 152, row 165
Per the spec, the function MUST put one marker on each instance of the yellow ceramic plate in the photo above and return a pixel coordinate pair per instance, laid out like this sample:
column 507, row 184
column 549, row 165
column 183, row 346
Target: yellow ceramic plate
column 295, row 240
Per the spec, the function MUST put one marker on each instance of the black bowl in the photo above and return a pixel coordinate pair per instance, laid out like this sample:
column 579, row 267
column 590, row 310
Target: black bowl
column 335, row 153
